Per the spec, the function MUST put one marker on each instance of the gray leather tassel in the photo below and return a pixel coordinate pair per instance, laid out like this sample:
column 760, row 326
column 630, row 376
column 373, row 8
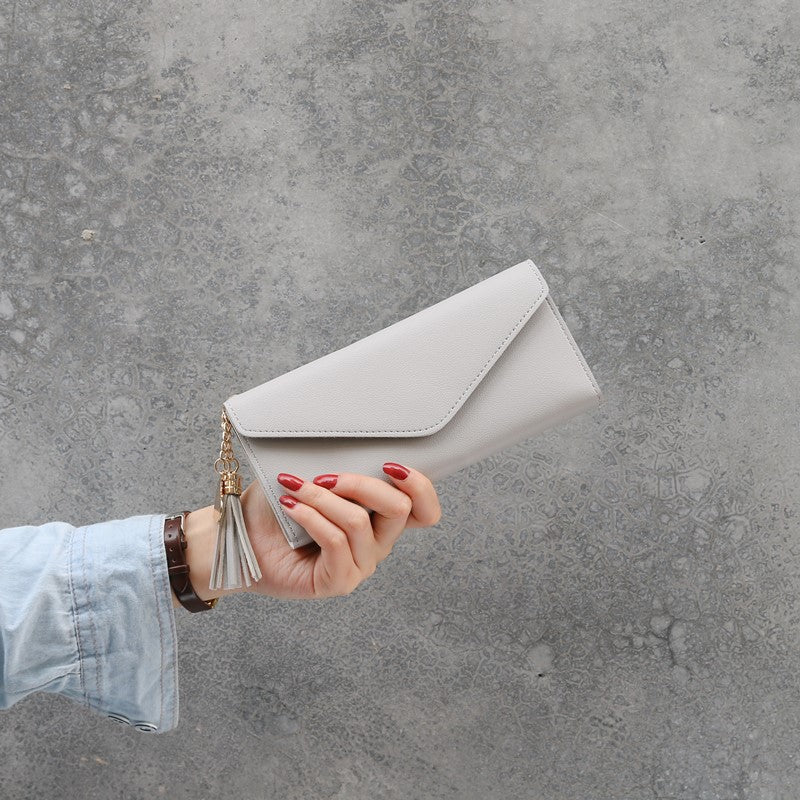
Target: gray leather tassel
column 234, row 558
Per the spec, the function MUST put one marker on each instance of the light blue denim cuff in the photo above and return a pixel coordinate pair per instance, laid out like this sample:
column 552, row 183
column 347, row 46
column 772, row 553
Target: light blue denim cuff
column 125, row 622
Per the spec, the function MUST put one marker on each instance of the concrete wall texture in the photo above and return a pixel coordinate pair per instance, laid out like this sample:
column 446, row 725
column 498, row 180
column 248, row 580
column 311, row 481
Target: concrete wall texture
column 607, row 611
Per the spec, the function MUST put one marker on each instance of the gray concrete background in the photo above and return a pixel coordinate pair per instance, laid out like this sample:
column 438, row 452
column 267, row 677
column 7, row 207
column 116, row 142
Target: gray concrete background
column 608, row 611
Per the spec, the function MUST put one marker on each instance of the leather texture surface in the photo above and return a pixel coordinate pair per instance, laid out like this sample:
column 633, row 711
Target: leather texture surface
column 479, row 371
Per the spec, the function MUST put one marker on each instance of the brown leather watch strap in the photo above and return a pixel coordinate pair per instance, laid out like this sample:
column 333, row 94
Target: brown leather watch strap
column 175, row 543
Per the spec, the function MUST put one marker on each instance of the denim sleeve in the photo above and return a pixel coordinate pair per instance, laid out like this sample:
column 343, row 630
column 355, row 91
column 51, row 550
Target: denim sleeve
column 87, row 612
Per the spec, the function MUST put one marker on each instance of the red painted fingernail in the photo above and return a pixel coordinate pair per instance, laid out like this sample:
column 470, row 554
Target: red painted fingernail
column 395, row 470
column 289, row 481
column 327, row 481
column 288, row 501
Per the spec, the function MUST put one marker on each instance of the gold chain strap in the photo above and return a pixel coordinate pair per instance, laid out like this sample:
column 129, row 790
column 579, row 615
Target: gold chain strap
column 230, row 482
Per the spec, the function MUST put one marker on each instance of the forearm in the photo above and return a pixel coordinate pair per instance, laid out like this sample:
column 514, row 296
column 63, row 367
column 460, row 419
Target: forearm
column 201, row 538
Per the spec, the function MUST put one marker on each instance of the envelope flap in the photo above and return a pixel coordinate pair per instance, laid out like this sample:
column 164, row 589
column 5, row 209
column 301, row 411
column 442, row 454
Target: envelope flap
column 407, row 379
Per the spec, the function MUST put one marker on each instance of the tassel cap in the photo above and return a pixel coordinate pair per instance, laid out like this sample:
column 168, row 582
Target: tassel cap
column 230, row 483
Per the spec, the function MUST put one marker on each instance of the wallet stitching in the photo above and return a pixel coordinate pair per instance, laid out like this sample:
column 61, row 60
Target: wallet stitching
column 276, row 503
column 580, row 360
column 449, row 411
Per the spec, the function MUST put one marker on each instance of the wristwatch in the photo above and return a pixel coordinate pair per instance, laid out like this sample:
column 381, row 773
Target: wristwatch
column 175, row 544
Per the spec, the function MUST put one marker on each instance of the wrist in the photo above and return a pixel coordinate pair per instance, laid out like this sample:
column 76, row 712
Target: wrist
column 200, row 530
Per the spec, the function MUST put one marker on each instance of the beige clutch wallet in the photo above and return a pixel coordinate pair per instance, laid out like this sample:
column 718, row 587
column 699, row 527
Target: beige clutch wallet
column 473, row 374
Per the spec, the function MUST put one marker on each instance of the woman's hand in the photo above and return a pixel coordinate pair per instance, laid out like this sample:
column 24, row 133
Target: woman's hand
column 350, row 540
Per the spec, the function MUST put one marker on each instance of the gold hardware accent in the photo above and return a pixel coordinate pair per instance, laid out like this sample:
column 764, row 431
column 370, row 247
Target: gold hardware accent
column 227, row 465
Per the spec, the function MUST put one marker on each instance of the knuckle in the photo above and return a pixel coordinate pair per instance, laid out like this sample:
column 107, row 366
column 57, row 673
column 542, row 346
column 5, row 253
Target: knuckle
column 338, row 541
column 358, row 519
column 404, row 505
